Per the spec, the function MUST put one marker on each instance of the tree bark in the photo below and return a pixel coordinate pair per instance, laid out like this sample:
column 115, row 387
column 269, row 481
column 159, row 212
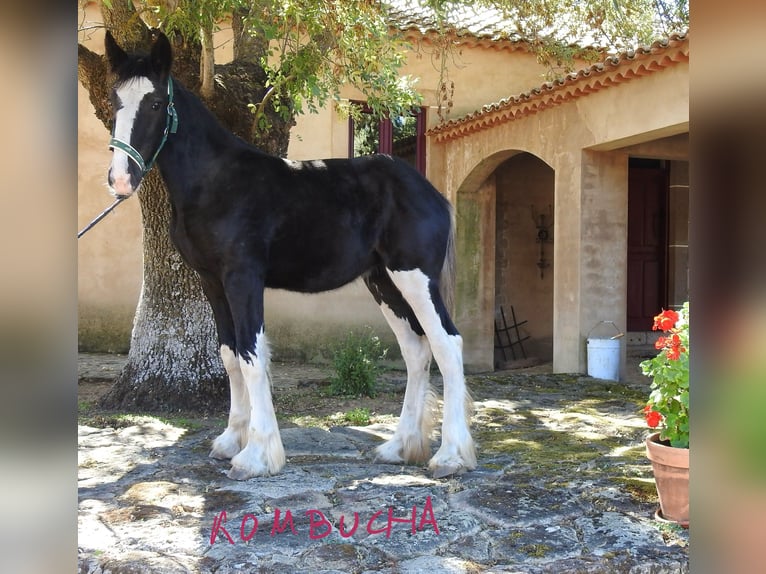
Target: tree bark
column 207, row 65
column 174, row 360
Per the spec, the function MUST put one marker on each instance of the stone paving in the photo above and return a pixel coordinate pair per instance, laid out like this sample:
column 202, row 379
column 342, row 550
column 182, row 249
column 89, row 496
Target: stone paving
column 562, row 486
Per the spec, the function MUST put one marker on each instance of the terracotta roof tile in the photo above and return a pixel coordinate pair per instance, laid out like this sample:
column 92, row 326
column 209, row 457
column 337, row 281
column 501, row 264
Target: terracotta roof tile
column 482, row 25
column 478, row 22
column 612, row 71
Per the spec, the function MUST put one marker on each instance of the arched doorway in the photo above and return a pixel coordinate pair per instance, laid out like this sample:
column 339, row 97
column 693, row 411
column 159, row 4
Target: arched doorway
column 503, row 258
column 524, row 253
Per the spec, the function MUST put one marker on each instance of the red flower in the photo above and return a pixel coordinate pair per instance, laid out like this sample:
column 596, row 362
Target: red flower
column 653, row 418
column 674, row 347
column 665, row 320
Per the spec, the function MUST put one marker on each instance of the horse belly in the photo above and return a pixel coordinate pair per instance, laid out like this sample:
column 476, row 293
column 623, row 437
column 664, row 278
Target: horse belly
column 317, row 267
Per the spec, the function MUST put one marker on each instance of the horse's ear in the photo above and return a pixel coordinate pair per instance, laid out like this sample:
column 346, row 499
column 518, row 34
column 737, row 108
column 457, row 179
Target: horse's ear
column 114, row 54
column 162, row 55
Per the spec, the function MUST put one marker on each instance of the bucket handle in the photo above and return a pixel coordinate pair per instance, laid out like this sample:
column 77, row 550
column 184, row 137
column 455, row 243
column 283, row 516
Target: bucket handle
column 612, row 323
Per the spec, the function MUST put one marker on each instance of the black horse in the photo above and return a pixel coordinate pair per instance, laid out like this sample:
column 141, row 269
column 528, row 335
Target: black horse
column 245, row 220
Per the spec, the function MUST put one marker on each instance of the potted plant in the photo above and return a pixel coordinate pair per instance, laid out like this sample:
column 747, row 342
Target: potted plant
column 668, row 411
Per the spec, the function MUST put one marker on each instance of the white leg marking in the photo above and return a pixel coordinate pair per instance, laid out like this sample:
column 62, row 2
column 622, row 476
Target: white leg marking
column 130, row 96
column 457, row 452
column 231, row 441
column 412, row 440
column 264, row 454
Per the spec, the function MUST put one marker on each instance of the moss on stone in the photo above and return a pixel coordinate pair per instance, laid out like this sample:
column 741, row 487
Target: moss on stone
column 641, row 490
column 535, row 550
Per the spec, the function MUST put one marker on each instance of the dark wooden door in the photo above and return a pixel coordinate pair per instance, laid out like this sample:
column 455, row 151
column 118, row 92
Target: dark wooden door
column 647, row 243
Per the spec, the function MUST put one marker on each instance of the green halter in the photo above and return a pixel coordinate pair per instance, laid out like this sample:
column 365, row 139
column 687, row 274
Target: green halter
column 170, row 128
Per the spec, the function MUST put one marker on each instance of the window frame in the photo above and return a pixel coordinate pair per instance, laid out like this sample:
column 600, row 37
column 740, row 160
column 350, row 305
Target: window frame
column 386, row 136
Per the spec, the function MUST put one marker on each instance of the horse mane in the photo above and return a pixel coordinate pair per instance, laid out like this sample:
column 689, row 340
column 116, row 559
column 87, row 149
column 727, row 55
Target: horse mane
column 204, row 116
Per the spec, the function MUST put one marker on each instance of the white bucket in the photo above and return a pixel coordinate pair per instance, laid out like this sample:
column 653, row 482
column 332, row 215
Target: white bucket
column 604, row 359
column 604, row 355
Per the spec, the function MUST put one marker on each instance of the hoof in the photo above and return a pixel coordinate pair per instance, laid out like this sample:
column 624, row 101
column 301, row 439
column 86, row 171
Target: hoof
column 218, row 456
column 443, row 471
column 410, row 450
column 388, row 453
column 255, row 461
column 446, row 463
column 227, row 445
column 239, row 473
column 222, row 452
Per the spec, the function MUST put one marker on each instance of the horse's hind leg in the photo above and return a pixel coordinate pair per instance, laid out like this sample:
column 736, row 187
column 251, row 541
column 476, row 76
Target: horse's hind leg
column 412, row 439
column 457, row 452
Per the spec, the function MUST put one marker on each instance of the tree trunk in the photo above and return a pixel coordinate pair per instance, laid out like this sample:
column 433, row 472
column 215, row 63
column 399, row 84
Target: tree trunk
column 207, row 65
column 174, row 360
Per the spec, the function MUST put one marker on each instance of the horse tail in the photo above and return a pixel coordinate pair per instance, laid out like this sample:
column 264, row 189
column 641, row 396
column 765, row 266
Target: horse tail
column 447, row 279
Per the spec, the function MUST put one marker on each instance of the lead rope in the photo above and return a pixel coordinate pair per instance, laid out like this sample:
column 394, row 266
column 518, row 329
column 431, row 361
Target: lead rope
column 102, row 215
column 171, row 126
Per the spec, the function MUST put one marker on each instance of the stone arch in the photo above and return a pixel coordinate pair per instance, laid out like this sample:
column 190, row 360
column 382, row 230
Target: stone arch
column 477, row 175
column 493, row 196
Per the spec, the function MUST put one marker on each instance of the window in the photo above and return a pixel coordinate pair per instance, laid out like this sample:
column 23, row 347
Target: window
column 402, row 136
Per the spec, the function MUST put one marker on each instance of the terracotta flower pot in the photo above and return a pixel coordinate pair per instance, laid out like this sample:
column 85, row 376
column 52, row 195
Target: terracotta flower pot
column 671, row 474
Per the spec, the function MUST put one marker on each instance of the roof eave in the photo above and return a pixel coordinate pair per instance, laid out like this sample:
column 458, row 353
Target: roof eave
column 612, row 71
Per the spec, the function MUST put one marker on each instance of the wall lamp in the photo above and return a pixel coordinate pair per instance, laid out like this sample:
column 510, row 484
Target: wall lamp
column 543, row 224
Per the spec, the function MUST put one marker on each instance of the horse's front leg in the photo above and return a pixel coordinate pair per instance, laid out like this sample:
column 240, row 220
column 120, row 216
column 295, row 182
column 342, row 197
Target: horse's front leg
column 234, row 438
column 229, row 443
column 263, row 454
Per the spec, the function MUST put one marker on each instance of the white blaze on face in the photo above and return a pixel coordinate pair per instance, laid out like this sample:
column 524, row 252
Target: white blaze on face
column 129, row 98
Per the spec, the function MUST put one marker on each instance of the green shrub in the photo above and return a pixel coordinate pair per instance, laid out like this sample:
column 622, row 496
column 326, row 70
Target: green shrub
column 356, row 362
column 359, row 417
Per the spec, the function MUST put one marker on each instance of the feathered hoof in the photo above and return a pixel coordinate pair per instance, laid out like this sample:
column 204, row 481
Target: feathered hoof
column 239, row 473
column 389, row 452
column 452, row 462
column 413, row 449
column 258, row 460
column 219, row 455
column 226, row 446
column 445, row 470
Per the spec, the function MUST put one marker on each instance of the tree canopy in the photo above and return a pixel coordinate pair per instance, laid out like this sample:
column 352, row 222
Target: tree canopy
column 310, row 49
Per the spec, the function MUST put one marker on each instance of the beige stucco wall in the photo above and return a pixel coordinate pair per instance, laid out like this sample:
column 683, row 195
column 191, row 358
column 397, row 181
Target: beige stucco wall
column 584, row 141
column 109, row 256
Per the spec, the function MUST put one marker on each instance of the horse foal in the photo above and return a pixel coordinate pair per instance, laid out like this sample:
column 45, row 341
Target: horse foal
column 246, row 220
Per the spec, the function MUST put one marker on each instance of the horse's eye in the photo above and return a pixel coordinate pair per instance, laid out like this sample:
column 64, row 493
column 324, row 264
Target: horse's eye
column 156, row 106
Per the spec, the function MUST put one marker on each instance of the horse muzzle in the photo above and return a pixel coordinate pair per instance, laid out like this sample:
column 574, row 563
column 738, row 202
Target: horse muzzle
column 124, row 184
